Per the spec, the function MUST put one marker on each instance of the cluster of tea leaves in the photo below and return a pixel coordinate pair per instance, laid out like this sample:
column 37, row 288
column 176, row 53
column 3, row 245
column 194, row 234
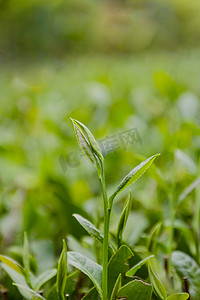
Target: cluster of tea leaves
column 153, row 99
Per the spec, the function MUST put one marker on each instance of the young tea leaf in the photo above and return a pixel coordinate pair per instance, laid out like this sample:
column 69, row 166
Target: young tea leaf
column 135, row 268
column 16, row 273
column 43, row 278
column 134, row 175
column 153, row 237
column 88, row 267
column 123, row 219
column 188, row 190
column 26, row 254
column 116, row 288
column 135, row 290
column 89, row 137
column 178, row 296
column 62, row 273
column 33, row 295
column 88, row 144
column 92, row 230
column 91, row 295
column 157, row 284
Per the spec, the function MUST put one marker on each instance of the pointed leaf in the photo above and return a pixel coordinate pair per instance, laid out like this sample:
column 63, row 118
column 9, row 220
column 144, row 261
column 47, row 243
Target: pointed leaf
column 90, row 138
column 117, row 265
column 88, row 267
column 91, row 295
column 188, row 190
column 157, row 284
column 153, row 237
column 43, row 278
column 179, row 296
column 136, row 290
column 135, row 268
column 116, row 288
column 26, row 254
column 134, row 175
column 16, row 273
column 12, row 264
column 88, row 145
column 124, row 217
column 62, row 273
column 92, row 230
column 30, row 292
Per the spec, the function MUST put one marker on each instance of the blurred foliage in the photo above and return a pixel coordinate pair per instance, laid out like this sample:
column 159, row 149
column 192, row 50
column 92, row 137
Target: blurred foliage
column 38, row 28
column 44, row 179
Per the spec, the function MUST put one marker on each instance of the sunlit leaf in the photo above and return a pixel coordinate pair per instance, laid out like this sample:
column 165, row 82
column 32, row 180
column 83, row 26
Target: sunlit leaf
column 178, row 296
column 16, row 273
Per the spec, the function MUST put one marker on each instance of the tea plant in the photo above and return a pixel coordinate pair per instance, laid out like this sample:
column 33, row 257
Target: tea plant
column 115, row 278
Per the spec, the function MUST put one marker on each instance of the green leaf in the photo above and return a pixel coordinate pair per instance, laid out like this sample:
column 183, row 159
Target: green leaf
column 153, row 237
column 186, row 266
column 188, row 190
column 26, row 261
column 62, row 273
column 91, row 295
column 92, row 230
column 117, row 265
column 30, row 292
column 135, row 268
column 167, row 86
column 178, row 296
column 71, row 282
column 123, row 219
column 134, row 175
column 26, row 254
column 116, row 288
column 12, row 264
column 88, row 144
column 136, row 290
column 88, row 267
column 157, row 284
column 43, row 278
column 16, row 273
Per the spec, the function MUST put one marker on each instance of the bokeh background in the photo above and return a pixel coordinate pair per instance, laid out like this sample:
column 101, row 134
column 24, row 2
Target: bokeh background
column 113, row 65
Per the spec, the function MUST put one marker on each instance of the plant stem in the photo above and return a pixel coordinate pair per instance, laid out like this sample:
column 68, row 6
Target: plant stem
column 172, row 218
column 106, row 238
column 196, row 223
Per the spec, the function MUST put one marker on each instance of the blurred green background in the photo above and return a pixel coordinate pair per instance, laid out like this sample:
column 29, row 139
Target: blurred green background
column 113, row 65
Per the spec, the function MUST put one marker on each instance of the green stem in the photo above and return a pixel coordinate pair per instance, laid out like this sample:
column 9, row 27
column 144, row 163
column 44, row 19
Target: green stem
column 106, row 238
column 196, row 223
column 172, row 219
